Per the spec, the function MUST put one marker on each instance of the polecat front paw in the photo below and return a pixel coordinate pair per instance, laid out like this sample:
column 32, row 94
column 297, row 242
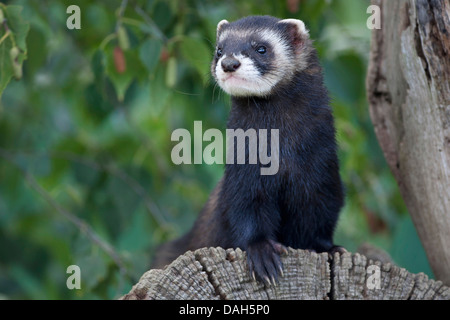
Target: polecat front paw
column 264, row 262
column 334, row 249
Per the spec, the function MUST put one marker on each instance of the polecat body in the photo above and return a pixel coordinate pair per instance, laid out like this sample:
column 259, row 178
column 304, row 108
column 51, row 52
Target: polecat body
column 271, row 70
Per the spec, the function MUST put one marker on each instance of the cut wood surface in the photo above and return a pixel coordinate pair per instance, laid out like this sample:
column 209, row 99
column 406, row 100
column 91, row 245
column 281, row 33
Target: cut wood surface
column 218, row 274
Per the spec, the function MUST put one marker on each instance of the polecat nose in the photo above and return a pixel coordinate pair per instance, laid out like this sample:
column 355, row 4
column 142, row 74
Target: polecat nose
column 230, row 64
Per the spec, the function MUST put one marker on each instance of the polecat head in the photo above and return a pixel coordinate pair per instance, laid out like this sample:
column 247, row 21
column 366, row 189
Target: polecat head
column 256, row 54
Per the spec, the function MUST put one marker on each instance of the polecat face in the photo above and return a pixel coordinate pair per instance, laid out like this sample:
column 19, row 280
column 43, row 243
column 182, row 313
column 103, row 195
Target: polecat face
column 255, row 54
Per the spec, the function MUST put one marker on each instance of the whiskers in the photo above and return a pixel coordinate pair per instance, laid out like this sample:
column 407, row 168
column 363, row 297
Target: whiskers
column 214, row 91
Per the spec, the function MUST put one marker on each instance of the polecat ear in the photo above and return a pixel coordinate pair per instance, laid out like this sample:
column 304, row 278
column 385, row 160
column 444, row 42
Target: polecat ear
column 221, row 24
column 297, row 31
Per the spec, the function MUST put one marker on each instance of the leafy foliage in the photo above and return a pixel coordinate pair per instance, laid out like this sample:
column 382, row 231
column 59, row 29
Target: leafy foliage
column 12, row 44
column 85, row 171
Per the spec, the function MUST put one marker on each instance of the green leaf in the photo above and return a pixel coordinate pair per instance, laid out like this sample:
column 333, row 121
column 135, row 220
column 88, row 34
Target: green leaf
column 151, row 100
column 162, row 15
column 18, row 30
column 93, row 269
column 37, row 46
column 149, row 53
column 16, row 24
column 27, row 281
column 198, row 55
column 121, row 80
column 135, row 236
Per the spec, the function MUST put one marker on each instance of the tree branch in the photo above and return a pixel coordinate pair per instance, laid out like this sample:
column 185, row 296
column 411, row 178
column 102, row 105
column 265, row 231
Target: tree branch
column 81, row 225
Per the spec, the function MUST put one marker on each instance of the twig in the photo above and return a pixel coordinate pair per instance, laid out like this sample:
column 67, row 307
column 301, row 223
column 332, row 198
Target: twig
column 107, row 39
column 112, row 169
column 151, row 23
column 120, row 12
column 7, row 33
column 151, row 206
column 81, row 225
column 138, row 189
column 113, row 36
column 122, row 7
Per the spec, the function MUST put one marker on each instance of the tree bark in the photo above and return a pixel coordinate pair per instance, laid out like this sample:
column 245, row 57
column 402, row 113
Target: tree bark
column 218, row 274
column 408, row 86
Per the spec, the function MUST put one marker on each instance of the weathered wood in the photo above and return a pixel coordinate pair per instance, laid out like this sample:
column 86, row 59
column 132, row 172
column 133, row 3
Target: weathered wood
column 408, row 87
column 351, row 280
column 215, row 273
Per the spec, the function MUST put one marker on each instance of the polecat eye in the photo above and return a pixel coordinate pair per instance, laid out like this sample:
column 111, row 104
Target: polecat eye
column 261, row 49
column 219, row 52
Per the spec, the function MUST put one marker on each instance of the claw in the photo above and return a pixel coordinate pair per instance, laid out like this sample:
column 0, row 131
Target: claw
column 281, row 249
column 274, row 282
column 334, row 249
column 264, row 262
column 280, row 269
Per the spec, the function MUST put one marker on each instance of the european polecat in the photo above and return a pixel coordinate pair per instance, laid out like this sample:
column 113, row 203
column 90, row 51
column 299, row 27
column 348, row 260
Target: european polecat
column 271, row 70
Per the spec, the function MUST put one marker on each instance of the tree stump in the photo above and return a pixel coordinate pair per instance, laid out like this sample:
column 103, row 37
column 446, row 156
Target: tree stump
column 218, row 274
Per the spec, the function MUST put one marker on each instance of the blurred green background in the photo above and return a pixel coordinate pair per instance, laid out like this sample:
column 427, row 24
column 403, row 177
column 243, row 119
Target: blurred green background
column 86, row 176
